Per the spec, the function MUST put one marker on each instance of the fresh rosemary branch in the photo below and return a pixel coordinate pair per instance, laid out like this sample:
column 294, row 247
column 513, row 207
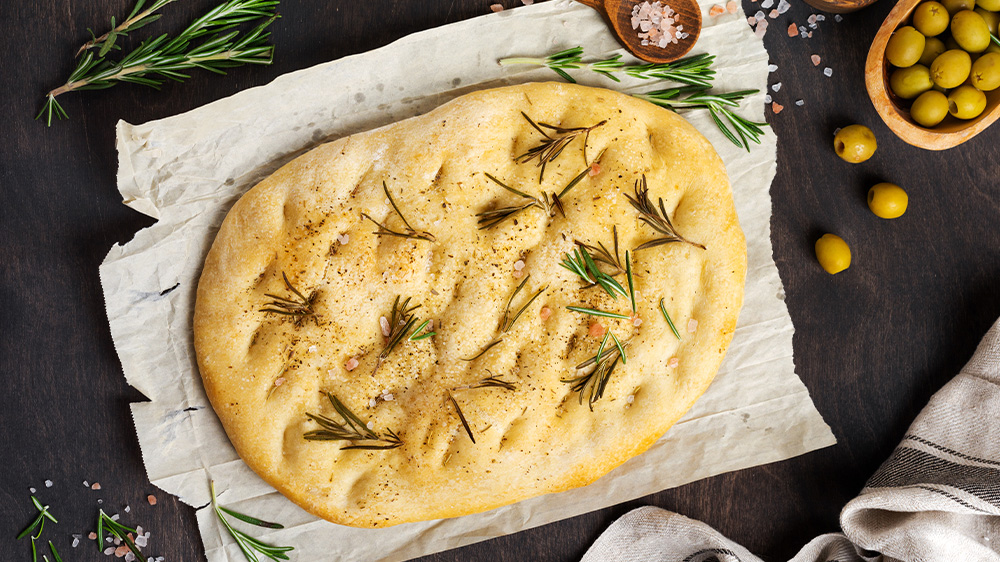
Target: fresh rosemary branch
column 119, row 531
column 593, row 383
column 161, row 58
column 601, row 254
column 248, row 545
column 410, row 231
column 401, row 320
column 461, row 417
column 138, row 18
column 670, row 322
column 38, row 523
column 596, row 312
column 507, row 322
column 491, row 381
column 351, row 429
column 694, row 71
column 553, row 143
column 488, row 347
column 297, row 305
column 718, row 106
column 657, row 219
column 582, row 264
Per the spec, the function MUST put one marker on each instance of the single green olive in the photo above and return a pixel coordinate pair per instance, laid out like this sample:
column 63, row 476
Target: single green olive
column 955, row 6
column 833, row 254
column 910, row 82
column 931, row 18
column 904, row 47
column 951, row 68
column 933, row 47
column 930, row 108
column 991, row 19
column 991, row 5
column 855, row 143
column 986, row 72
column 887, row 200
column 970, row 31
column 966, row 102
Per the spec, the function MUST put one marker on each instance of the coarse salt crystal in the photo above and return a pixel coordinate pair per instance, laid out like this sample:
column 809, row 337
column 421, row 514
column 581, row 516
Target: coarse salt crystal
column 389, row 398
column 95, row 486
column 815, row 59
column 87, row 484
column 76, row 541
column 343, row 239
column 141, row 541
column 793, row 30
column 519, row 265
column 811, row 18
column 776, row 86
column 777, row 107
column 783, row 6
column 732, row 6
column 279, row 381
column 767, row 98
column 92, row 536
column 773, row 14
column 595, row 169
column 545, row 312
column 370, row 425
column 630, row 398
column 312, row 349
column 828, row 72
column 692, row 325
column 383, row 322
column 820, row 17
column 48, row 483
column 128, row 509
column 109, row 551
column 138, row 530
column 761, row 29
column 372, row 403
column 636, row 321
column 800, row 103
column 115, row 517
column 496, row 8
column 527, row 2
column 673, row 362
column 752, row 21
column 772, row 67
column 838, row 18
column 121, row 551
column 767, row 4
column 129, row 557
column 32, row 490
column 518, row 274
column 596, row 330
column 759, row 16
column 714, row 11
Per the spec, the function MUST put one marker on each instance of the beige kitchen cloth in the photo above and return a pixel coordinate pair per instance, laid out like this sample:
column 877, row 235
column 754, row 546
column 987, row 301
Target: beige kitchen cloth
column 187, row 171
column 936, row 499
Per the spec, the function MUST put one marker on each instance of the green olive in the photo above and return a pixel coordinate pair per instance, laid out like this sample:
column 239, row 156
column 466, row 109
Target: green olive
column 930, row 108
column 951, row 68
column 887, row 200
column 855, row 143
column 910, row 82
column 904, row 47
column 955, row 6
column 991, row 19
column 966, row 102
column 932, row 48
column 931, row 18
column 986, row 72
column 833, row 254
column 970, row 31
column 991, row 5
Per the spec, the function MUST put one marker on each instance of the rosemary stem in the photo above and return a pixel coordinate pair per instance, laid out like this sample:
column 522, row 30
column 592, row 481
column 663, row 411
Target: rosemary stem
column 522, row 60
column 121, row 27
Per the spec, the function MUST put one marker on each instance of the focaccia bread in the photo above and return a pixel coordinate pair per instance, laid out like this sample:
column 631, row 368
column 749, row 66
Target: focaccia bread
column 322, row 370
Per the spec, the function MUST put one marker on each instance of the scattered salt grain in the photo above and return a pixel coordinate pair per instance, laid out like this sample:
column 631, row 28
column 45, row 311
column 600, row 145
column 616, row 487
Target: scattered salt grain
column 519, row 265
column 636, row 321
column 389, row 398
column 767, row 4
column 772, row 67
column 86, row 484
column 115, row 517
column 811, row 18
column 692, row 325
column 630, row 398
column 128, row 509
column 141, row 541
column 752, row 21
column 383, row 322
column 110, row 539
column 773, row 14
column 518, row 274
column 793, row 30
column 343, row 239
column 545, row 312
column 109, row 551
column 595, row 169
column 759, row 16
column 372, row 403
column 838, row 18
column 800, row 103
column 820, row 17
column 673, row 362
column 370, row 425
column 828, row 72
column 732, row 6
column 121, row 551
column 32, row 490
column 496, row 8
column 277, row 382
column 596, row 330
column 783, row 6
column 760, row 30
column 351, row 364
column 129, row 557
column 92, row 536
column 99, row 502
column 714, row 11
column 776, row 86
column 767, row 98
column 777, row 107
column 48, row 483
column 76, row 541
column 527, row 2
column 138, row 530
column 95, row 486
column 312, row 349
column 815, row 59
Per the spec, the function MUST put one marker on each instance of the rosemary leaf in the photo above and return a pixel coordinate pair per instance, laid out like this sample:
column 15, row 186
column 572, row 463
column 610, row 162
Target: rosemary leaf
column 628, row 275
column 410, row 232
column 55, row 553
column 507, row 322
column 554, row 142
column 592, row 384
column 415, row 337
column 352, row 429
column 658, row 220
column 121, row 532
column 252, row 520
column 461, row 417
column 595, row 312
column 297, row 305
column 670, row 322
column 134, row 21
column 485, row 349
column 583, row 265
column 695, row 70
column 718, row 106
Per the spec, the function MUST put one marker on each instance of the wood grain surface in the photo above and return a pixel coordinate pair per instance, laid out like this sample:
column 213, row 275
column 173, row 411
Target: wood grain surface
column 871, row 344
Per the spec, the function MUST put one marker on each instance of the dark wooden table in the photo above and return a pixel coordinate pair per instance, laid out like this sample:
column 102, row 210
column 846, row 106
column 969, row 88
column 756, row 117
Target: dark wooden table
column 872, row 344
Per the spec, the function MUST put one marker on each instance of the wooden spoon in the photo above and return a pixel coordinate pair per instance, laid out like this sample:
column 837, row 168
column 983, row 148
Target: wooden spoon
column 619, row 14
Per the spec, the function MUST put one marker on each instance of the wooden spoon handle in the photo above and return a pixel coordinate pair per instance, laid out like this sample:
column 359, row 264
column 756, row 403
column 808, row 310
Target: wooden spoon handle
column 595, row 4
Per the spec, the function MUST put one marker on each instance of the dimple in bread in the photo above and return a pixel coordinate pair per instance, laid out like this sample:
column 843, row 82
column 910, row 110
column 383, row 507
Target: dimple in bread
column 296, row 301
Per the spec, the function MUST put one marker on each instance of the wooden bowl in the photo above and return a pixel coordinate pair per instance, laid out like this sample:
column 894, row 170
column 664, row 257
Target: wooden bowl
column 895, row 111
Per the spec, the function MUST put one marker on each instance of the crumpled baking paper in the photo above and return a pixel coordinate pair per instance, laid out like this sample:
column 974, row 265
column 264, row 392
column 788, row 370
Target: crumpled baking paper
column 189, row 169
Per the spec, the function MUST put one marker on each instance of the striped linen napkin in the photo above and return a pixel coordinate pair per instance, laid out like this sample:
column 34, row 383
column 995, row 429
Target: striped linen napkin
column 937, row 498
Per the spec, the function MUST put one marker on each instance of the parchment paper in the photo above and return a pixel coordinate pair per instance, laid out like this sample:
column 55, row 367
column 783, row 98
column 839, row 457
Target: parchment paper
column 188, row 170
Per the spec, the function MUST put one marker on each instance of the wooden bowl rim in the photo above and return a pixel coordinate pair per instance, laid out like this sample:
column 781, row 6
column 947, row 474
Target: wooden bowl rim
column 876, row 80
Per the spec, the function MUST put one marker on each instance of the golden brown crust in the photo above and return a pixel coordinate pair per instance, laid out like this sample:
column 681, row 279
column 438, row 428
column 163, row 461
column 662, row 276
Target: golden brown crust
column 263, row 372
